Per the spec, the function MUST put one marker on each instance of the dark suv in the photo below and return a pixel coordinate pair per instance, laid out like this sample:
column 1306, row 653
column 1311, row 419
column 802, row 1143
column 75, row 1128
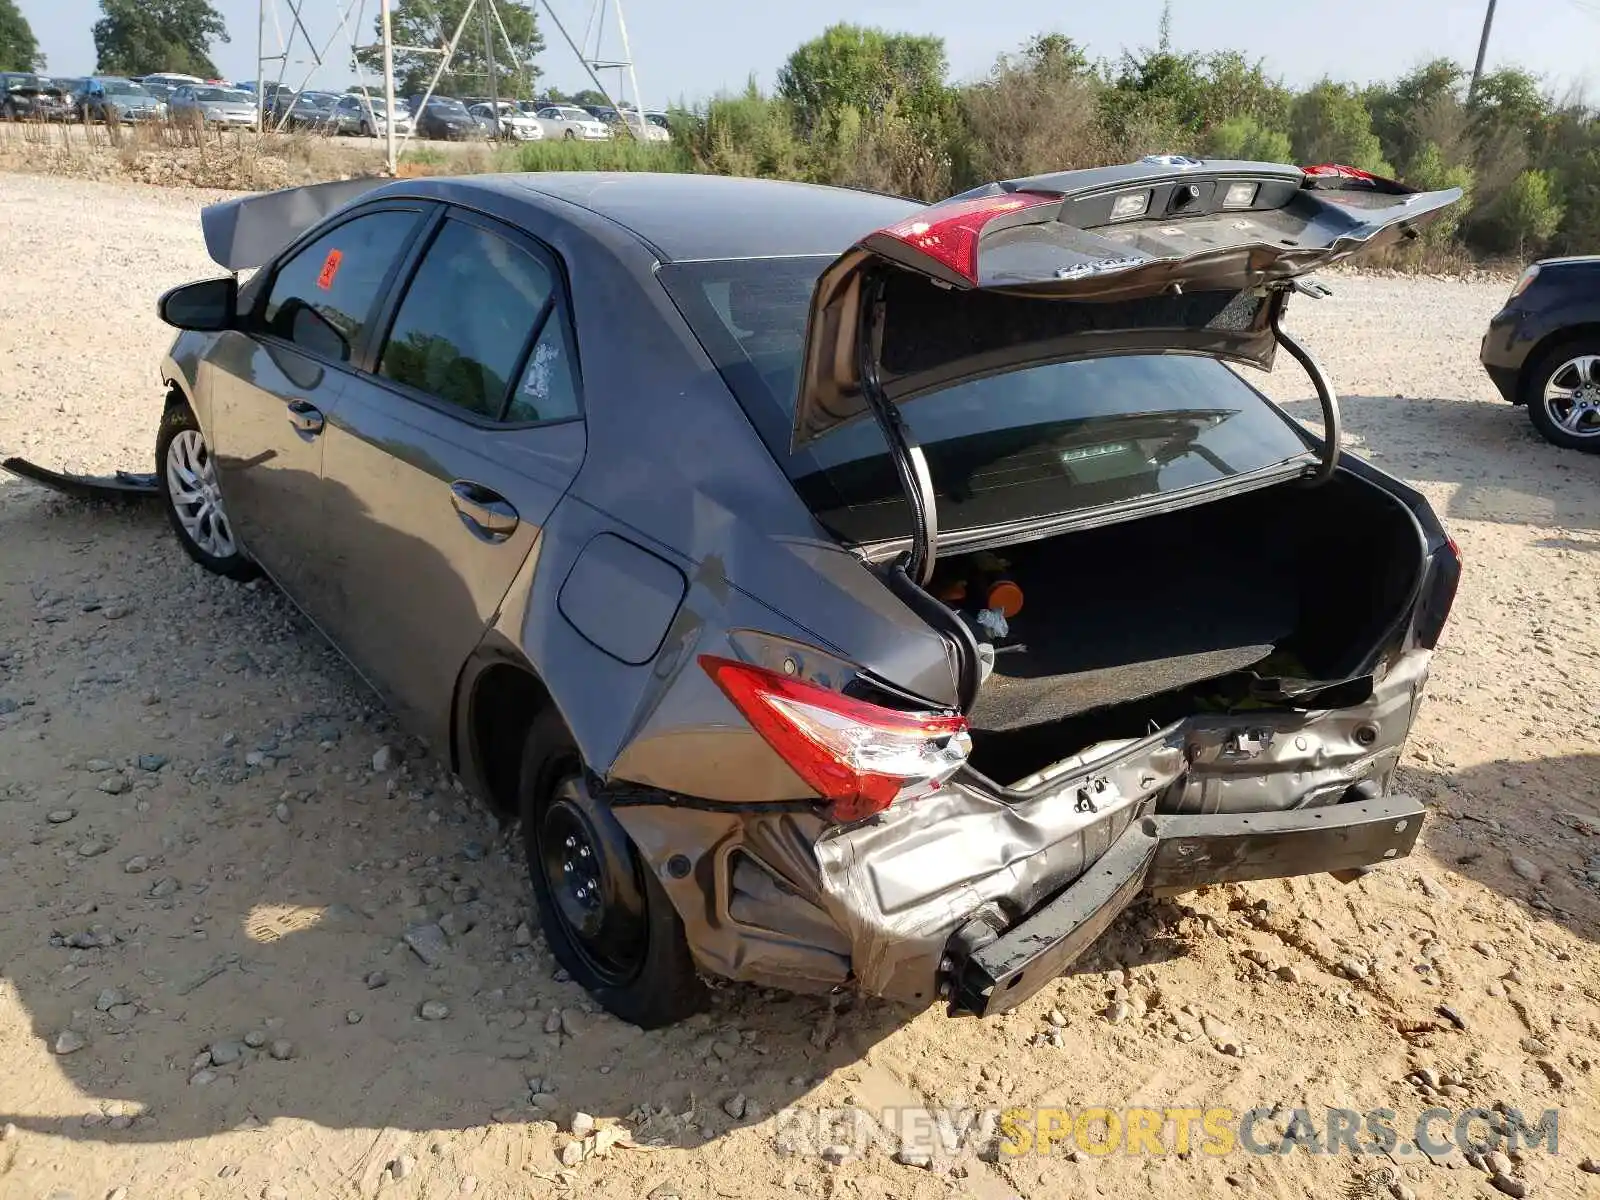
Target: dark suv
column 1542, row 350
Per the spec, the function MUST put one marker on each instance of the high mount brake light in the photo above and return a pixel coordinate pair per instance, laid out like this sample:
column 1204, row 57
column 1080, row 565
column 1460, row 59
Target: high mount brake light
column 859, row 757
column 1340, row 171
column 948, row 233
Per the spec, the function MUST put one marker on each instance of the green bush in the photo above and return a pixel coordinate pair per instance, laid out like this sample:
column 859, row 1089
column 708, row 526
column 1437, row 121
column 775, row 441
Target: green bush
column 1525, row 216
column 1430, row 172
column 1244, row 137
column 619, row 154
column 1330, row 124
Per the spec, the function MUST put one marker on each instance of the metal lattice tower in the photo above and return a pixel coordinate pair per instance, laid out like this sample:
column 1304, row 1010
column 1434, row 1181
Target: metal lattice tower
column 292, row 47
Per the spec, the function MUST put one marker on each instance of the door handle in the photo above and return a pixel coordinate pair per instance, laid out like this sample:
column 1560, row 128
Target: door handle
column 486, row 513
column 305, row 417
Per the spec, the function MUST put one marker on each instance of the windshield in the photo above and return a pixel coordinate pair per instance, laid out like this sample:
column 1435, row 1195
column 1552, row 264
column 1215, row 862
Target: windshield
column 24, row 83
column 450, row 106
column 574, row 114
column 1035, row 442
column 223, row 95
column 124, row 88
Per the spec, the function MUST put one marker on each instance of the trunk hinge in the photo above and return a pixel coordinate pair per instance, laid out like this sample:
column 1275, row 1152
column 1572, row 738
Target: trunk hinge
column 1331, row 434
column 910, row 464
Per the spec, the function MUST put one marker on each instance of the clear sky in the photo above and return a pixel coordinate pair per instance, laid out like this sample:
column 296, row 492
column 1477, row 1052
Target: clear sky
column 690, row 49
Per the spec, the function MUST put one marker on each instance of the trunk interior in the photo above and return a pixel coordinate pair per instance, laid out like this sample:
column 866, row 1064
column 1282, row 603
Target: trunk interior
column 1131, row 626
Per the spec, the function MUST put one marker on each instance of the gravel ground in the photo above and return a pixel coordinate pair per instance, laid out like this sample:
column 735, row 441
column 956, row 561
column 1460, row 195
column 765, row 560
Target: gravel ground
column 205, row 988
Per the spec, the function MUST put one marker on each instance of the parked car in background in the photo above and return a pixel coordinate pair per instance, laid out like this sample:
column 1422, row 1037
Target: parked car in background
column 213, row 106
column 630, row 124
column 1542, row 349
column 760, row 689
column 513, row 124
column 114, row 98
column 447, row 119
column 25, row 96
column 174, row 79
column 572, row 123
column 313, row 112
column 368, row 116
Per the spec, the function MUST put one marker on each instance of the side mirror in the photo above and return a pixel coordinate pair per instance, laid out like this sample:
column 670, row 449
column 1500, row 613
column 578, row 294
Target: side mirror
column 205, row 307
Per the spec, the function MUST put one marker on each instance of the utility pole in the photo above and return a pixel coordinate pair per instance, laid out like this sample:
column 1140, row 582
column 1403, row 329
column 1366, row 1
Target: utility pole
column 1483, row 50
column 488, row 57
column 388, row 86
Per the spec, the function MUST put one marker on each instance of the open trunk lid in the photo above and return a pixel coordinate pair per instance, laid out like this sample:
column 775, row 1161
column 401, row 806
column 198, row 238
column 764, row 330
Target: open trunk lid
column 1168, row 254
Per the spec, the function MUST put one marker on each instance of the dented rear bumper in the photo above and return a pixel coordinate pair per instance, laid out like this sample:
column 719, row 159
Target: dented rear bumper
column 1175, row 851
column 978, row 894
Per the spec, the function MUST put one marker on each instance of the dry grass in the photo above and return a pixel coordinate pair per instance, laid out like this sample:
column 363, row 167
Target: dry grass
column 179, row 154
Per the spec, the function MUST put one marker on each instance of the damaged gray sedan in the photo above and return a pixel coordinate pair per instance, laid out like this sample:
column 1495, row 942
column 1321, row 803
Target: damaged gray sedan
column 842, row 593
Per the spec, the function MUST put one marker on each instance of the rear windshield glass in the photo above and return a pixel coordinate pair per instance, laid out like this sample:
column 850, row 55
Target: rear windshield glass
column 1040, row 441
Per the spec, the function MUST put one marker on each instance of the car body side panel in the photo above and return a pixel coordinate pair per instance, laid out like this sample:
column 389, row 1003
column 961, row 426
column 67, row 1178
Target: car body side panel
column 409, row 588
column 269, row 471
column 663, row 723
column 661, row 423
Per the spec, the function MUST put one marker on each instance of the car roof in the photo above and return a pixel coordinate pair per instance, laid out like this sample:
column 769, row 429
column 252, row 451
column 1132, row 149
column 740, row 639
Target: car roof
column 687, row 217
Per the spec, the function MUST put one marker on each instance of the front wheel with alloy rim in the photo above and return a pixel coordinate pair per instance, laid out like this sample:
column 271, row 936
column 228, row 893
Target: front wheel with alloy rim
column 607, row 919
column 1562, row 389
column 193, row 500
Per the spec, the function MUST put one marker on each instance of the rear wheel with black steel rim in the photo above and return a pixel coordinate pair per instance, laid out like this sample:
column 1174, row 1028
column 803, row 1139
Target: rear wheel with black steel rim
column 1562, row 390
column 193, row 500
column 607, row 919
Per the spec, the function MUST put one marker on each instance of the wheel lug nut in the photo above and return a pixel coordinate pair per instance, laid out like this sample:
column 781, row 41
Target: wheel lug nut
column 571, row 842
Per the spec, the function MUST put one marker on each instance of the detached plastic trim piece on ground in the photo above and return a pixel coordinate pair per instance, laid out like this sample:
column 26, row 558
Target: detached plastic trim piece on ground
column 122, row 485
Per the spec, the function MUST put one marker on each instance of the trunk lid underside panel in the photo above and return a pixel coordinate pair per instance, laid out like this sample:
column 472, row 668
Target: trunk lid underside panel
column 1044, row 269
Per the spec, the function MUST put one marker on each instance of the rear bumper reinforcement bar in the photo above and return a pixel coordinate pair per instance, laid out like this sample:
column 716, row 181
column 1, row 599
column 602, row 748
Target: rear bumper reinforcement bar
column 1177, row 851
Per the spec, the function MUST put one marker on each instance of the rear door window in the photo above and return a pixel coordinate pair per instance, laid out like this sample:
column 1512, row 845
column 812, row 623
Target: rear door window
column 322, row 298
column 1016, row 445
column 481, row 329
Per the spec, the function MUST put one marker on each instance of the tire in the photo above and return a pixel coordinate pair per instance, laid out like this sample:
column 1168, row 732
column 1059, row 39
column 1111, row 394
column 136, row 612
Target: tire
column 1572, row 423
column 634, row 958
column 570, row 135
column 214, row 546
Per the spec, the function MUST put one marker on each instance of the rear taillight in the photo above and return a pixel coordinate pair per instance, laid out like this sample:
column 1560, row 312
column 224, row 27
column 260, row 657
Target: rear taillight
column 859, row 757
column 1523, row 281
column 949, row 233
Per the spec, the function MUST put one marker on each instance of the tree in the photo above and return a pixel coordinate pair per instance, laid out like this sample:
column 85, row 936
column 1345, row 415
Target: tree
column 1431, row 171
column 851, row 66
column 1245, row 137
column 1422, row 106
column 432, row 23
column 1330, row 124
column 1525, row 215
column 136, row 37
column 1509, row 101
column 18, row 49
column 1035, row 112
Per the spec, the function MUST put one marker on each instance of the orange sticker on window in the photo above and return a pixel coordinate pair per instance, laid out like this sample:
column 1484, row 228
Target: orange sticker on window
column 330, row 268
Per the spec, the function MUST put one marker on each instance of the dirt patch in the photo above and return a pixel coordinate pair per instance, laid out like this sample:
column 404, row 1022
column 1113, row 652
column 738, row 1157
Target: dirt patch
column 206, row 986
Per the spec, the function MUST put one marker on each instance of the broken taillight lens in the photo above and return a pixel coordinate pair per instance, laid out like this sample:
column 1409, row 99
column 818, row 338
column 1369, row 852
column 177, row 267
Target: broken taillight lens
column 859, row 757
column 949, row 233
